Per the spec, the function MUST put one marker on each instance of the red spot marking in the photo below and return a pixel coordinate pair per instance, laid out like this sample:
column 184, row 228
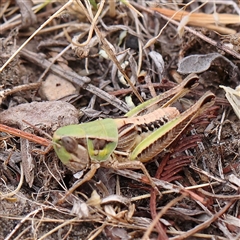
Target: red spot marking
column 145, row 179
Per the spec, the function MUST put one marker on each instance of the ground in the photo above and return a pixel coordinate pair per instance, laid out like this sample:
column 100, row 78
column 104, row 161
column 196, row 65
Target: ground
column 69, row 73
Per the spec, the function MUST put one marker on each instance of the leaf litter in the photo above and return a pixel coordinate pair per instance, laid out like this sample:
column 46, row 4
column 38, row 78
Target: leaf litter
column 198, row 176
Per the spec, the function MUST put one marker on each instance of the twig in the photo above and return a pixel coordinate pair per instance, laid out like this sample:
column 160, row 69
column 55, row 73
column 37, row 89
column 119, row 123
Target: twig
column 6, row 92
column 108, row 98
column 71, row 76
column 21, row 222
column 57, row 228
column 159, row 215
column 22, row 134
column 205, row 224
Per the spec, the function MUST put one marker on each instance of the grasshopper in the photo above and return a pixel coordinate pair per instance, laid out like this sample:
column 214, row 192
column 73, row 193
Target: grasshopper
column 128, row 142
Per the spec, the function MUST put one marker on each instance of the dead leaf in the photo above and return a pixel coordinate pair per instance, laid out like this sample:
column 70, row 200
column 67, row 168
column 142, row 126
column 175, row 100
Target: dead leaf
column 28, row 16
column 201, row 62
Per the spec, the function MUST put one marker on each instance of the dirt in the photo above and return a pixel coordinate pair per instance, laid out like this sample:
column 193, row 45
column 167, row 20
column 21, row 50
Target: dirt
column 110, row 205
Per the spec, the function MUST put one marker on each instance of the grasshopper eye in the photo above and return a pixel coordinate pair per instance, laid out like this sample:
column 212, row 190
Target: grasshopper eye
column 79, row 155
column 70, row 144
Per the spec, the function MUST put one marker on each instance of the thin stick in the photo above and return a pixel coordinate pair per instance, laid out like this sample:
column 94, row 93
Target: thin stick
column 205, row 224
column 159, row 215
column 22, row 134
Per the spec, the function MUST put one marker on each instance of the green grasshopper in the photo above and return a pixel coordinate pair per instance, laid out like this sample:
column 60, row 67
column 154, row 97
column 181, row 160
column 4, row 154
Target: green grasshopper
column 128, row 142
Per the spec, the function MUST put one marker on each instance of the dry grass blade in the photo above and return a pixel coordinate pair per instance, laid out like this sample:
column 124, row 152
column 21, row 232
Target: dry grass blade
column 202, row 19
column 14, row 192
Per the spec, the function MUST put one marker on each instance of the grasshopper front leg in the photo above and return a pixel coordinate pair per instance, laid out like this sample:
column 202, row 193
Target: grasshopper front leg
column 114, row 165
column 131, row 165
column 87, row 177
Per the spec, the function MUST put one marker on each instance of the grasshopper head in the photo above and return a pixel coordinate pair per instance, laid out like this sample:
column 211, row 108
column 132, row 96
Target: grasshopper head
column 80, row 144
column 71, row 153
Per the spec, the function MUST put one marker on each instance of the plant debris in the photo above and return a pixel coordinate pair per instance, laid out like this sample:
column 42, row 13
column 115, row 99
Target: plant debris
column 74, row 62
